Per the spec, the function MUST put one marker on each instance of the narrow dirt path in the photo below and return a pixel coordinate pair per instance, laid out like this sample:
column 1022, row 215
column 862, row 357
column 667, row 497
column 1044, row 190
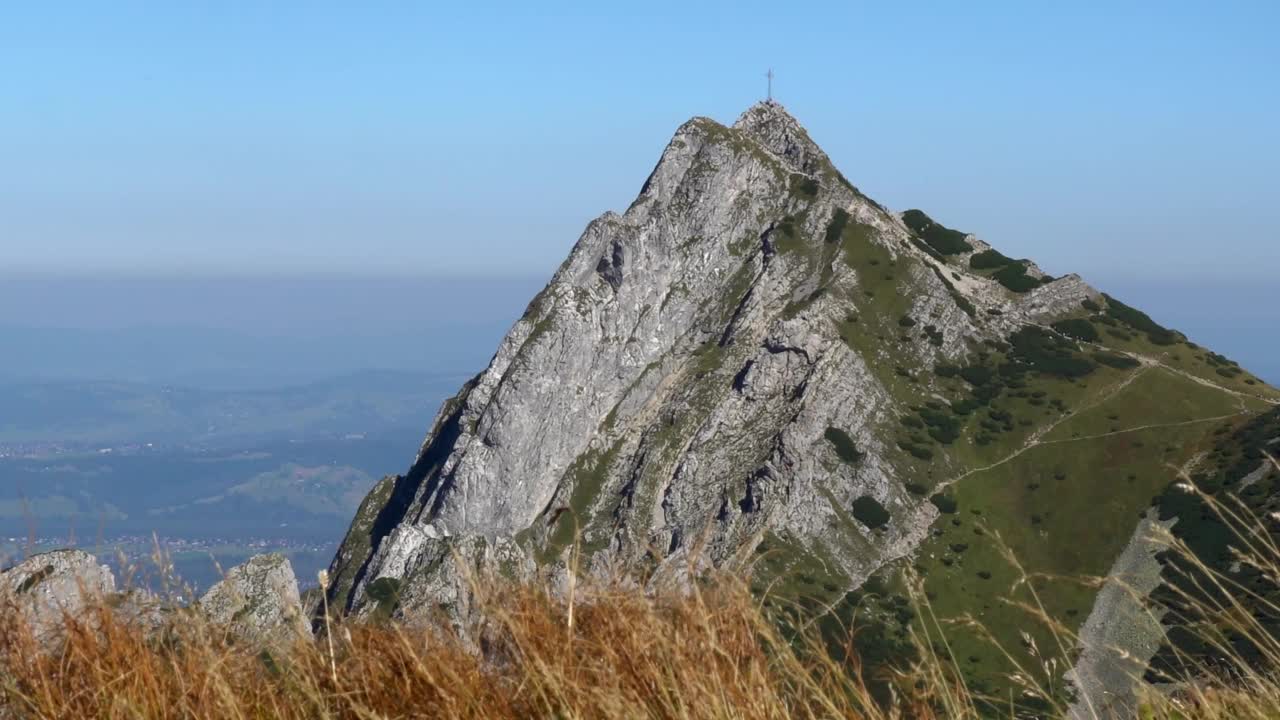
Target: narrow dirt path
column 1146, row 363
column 1034, row 440
column 1199, row 380
column 1156, row 362
column 1145, row 427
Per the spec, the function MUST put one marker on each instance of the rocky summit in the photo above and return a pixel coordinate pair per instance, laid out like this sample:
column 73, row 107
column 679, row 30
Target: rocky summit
column 756, row 366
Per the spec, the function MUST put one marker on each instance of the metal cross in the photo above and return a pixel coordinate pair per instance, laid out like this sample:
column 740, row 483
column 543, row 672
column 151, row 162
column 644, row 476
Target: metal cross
column 769, row 75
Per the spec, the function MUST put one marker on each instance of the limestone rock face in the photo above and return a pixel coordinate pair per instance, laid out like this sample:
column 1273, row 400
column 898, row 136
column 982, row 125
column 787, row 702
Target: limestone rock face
column 258, row 601
column 434, row 575
column 723, row 362
column 47, row 587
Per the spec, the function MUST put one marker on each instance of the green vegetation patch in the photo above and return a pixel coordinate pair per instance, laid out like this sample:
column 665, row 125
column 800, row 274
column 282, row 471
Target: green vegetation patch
column 793, row 576
column 843, row 236
column 1222, row 366
column 886, row 287
column 1186, row 358
column 927, row 249
column 1115, row 360
column 1104, row 463
column 934, row 335
column 365, row 529
column 1040, row 351
column 804, row 186
column 942, row 425
column 1078, row 328
column 800, row 584
column 868, row 511
column 946, row 504
column 1186, row 591
column 845, row 449
column 1015, row 278
column 1154, row 393
column 1034, row 504
column 942, row 239
column 1141, row 322
column 588, row 474
column 1005, row 393
column 787, row 237
column 916, row 450
column 989, row 260
column 385, row 592
column 835, row 228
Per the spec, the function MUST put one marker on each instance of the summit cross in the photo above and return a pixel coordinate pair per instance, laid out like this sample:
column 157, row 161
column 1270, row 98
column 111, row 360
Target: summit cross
column 769, row 75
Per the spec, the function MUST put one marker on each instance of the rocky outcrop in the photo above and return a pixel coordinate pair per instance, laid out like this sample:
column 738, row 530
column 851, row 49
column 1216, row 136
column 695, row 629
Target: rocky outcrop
column 1123, row 630
column 258, row 602
column 435, row 576
column 47, row 588
column 1053, row 300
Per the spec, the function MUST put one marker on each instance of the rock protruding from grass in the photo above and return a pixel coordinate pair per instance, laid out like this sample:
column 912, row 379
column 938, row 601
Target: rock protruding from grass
column 258, row 602
column 45, row 587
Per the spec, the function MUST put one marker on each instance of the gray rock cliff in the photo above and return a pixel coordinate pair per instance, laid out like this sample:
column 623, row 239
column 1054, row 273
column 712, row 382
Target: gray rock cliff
column 673, row 393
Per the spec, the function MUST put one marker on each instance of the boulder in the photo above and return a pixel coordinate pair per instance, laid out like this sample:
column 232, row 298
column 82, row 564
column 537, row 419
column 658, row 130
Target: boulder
column 258, row 602
column 46, row 588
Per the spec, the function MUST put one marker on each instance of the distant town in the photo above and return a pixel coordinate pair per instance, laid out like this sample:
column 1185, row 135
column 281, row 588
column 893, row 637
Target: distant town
column 38, row 450
column 46, row 449
column 146, row 545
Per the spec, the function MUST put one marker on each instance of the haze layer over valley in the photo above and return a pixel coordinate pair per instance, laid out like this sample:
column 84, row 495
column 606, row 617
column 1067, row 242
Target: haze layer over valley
column 227, row 416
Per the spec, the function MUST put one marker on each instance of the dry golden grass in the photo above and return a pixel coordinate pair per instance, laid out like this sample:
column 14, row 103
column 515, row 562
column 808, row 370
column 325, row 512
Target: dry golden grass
column 610, row 652
column 705, row 654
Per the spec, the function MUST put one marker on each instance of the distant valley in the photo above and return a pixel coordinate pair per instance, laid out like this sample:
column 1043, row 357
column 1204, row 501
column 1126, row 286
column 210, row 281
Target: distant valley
column 305, row 489
column 213, row 476
column 220, row 417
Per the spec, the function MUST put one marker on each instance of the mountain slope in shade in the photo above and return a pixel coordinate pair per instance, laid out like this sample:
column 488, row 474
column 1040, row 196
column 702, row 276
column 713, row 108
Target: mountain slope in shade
column 757, row 365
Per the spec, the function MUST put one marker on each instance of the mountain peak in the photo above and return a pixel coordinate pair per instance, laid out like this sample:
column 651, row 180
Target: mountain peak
column 756, row 365
column 764, row 109
column 769, row 123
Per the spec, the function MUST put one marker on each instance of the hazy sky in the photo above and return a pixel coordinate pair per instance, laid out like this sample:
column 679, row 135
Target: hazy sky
column 480, row 138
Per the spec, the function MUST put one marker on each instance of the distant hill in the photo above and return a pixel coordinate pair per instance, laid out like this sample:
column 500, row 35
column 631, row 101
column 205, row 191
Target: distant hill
column 291, row 493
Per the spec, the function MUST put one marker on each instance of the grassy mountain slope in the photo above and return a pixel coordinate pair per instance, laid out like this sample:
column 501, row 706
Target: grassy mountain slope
column 1041, row 452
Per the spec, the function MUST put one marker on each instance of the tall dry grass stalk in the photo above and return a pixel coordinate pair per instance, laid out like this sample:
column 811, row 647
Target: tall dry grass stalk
column 708, row 654
column 1237, row 622
column 603, row 651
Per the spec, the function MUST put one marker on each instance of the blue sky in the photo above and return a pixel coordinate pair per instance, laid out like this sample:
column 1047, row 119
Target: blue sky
column 1121, row 140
